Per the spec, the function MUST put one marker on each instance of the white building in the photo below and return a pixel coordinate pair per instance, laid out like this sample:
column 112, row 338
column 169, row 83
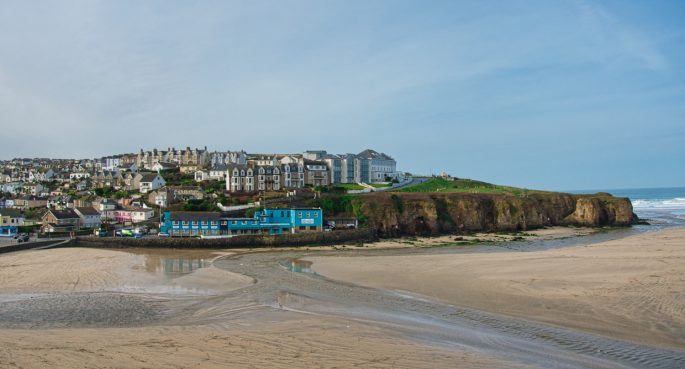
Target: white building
column 90, row 217
column 150, row 182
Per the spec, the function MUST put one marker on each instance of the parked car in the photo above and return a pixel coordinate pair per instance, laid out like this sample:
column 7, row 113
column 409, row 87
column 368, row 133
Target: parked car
column 160, row 234
column 123, row 233
column 23, row 238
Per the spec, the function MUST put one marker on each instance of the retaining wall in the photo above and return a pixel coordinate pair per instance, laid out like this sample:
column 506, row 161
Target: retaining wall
column 245, row 241
column 29, row 245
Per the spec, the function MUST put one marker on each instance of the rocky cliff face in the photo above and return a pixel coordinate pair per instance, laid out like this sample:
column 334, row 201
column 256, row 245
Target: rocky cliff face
column 435, row 213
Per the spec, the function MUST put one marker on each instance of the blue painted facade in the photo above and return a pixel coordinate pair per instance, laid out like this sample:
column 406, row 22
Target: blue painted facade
column 8, row 231
column 267, row 221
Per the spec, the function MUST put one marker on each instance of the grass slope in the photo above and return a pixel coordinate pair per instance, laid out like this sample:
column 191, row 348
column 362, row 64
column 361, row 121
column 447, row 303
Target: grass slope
column 462, row 185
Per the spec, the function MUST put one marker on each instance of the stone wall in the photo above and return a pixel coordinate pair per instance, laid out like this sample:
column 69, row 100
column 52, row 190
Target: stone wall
column 29, row 245
column 246, row 241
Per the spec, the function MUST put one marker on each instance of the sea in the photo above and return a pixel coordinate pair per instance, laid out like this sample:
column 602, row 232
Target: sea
column 652, row 203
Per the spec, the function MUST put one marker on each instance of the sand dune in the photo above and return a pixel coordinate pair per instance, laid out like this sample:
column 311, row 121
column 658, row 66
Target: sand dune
column 633, row 288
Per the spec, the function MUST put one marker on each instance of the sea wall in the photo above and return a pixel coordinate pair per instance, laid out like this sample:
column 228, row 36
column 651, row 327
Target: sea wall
column 29, row 245
column 246, row 241
column 396, row 214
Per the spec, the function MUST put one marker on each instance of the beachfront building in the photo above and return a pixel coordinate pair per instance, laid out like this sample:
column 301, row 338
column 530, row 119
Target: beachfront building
column 61, row 221
column 267, row 221
column 90, row 217
column 10, row 221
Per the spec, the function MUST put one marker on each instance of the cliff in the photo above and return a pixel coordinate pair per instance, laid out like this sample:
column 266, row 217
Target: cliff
column 394, row 214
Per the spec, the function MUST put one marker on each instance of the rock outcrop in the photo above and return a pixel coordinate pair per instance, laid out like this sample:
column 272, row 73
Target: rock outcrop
column 395, row 214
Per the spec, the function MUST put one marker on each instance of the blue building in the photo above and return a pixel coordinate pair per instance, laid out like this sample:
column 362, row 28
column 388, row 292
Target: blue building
column 10, row 220
column 266, row 221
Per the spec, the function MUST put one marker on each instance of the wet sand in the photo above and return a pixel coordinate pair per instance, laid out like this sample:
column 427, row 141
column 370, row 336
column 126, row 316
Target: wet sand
column 138, row 308
column 293, row 343
column 632, row 288
column 91, row 308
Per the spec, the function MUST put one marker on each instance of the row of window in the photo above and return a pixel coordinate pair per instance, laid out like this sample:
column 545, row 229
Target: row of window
column 213, row 223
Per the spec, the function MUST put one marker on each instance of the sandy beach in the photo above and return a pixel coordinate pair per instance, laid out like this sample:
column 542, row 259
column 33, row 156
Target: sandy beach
column 145, row 308
column 70, row 290
column 631, row 288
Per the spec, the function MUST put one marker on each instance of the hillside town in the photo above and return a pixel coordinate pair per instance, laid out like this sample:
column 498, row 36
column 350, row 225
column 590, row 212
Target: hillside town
column 181, row 192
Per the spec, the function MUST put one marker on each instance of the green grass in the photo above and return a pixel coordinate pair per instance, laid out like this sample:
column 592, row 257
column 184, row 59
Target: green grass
column 462, row 185
column 349, row 186
column 380, row 185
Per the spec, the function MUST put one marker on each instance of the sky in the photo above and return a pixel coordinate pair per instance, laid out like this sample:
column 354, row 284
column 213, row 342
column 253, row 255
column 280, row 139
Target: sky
column 557, row 95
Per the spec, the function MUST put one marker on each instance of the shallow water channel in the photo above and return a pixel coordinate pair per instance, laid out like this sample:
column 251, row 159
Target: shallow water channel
column 174, row 287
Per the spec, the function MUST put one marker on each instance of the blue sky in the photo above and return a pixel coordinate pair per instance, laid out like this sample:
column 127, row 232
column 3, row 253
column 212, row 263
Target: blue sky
column 546, row 94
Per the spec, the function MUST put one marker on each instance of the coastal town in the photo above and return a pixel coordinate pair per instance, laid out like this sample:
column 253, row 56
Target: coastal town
column 183, row 192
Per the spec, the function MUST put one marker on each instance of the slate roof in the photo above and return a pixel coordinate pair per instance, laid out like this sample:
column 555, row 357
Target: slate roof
column 371, row 154
column 12, row 213
column 148, row 177
column 194, row 216
column 65, row 214
column 88, row 210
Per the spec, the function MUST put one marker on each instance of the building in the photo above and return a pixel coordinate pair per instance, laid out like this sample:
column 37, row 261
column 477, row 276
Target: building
column 107, row 178
column 149, row 182
column 377, row 167
column 218, row 172
column 267, row 221
column 268, row 178
column 292, row 175
column 368, row 166
column 110, row 163
column 61, row 221
column 316, row 173
column 10, row 221
column 90, row 217
column 131, row 216
column 197, row 158
column 240, row 178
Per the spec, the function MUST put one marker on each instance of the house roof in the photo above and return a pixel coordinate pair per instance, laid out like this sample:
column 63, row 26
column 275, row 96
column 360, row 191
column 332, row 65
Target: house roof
column 88, row 210
column 372, row 154
column 314, row 162
column 12, row 213
column 148, row 177
column 194, row 216
column 64, row 214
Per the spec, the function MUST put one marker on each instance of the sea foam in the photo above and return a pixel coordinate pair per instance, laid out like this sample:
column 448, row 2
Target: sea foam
column 677, row 203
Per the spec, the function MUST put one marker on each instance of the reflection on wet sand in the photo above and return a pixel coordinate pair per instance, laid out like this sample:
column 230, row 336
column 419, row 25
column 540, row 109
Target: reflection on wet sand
column 192, row 301
column 173, row 263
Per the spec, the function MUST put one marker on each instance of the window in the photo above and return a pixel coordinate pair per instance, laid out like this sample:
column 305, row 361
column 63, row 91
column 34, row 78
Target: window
column 185, row 222
column 282, row 214
column 244, row 222
column 299, row 214
column 234, row 222
column 309, row 215
column 175, row 222
column 302, row 228
column 313, row 228
column 316, row 214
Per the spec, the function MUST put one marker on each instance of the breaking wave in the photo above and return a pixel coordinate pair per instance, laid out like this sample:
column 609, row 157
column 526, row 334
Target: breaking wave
column 677, row 203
